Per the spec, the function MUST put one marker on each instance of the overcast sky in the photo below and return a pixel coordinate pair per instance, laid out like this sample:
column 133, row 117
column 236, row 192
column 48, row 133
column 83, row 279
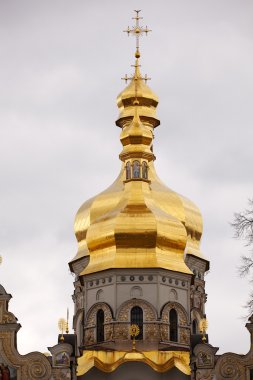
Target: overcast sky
column 60, row 68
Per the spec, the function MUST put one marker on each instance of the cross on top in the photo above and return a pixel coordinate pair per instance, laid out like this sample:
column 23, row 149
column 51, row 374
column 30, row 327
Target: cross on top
column 137, row 31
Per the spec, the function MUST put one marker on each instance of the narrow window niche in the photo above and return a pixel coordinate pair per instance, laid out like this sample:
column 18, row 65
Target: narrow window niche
column 100, row 325
column 128, row 170
column 137, row 319
column 136, row 169
column 144, row 170
column 173, row 325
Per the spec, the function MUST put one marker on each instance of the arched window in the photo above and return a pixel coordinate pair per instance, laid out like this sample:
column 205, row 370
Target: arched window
column 144, row 170
column 128, row 170
column 100, row 325
column 136, row 169
column 194, row 326
column 137, row 319
column 173, row 325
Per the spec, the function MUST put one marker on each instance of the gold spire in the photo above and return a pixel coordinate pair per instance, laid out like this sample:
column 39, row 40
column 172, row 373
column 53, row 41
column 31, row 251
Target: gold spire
column 137, row 92
column 137, row 31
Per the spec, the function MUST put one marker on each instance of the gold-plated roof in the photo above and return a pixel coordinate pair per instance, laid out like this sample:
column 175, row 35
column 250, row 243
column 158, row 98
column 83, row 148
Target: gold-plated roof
column 109, row 361
column 148, row 100
column 137, row 222
column 136, row 139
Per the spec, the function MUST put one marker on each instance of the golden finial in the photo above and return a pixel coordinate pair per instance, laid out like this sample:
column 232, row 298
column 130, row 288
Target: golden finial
column 134, row 332
column 203, row 325
column 137, row 31
column 62, row 324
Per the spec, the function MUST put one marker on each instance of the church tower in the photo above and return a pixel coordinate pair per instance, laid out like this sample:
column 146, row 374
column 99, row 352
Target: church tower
column 139, row 273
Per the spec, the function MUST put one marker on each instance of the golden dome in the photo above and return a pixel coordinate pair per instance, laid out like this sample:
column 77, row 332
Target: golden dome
column 137, row 222
column 147, row 100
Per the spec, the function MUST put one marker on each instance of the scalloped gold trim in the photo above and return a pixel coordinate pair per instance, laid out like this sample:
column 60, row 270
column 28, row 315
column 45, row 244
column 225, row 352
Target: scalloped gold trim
column 109, row 361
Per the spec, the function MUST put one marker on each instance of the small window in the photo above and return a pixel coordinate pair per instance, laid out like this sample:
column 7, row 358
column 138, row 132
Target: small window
column 136, row 169
column 173, row 325
column 100, row 326
column 144, row 170
column 137, row 319
column 128, row 170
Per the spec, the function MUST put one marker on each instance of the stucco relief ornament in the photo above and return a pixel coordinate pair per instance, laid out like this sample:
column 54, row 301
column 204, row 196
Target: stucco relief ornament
column 184, row 336
column 197, row 300
column 37, row 369
column 63, row 374
column 164, row 332
column 121, row 332
column 204, row 359
column 151, row 331
column 109, row 332
column 89, row 336
column 205, row 375
column 79, row 302
column 229, row 367
column 8, row 318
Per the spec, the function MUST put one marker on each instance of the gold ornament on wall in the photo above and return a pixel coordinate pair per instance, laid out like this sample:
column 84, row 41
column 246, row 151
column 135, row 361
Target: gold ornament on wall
column 203, row 325
column 134, row 332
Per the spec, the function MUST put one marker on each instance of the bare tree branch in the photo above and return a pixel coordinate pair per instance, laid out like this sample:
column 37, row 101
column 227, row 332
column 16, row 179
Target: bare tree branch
column 243, row 224
column 246, row 266
column 243, row 227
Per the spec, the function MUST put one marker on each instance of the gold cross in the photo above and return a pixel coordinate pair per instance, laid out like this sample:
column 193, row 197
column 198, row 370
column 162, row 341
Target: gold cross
column 137, row 31
column 135, row 76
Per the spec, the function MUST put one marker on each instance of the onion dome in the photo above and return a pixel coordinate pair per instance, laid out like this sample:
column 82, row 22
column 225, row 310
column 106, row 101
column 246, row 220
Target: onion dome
column 148, row 100
column 137, row 222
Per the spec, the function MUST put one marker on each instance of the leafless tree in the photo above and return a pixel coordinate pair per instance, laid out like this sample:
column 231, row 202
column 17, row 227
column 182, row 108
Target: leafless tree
column 243, row 227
